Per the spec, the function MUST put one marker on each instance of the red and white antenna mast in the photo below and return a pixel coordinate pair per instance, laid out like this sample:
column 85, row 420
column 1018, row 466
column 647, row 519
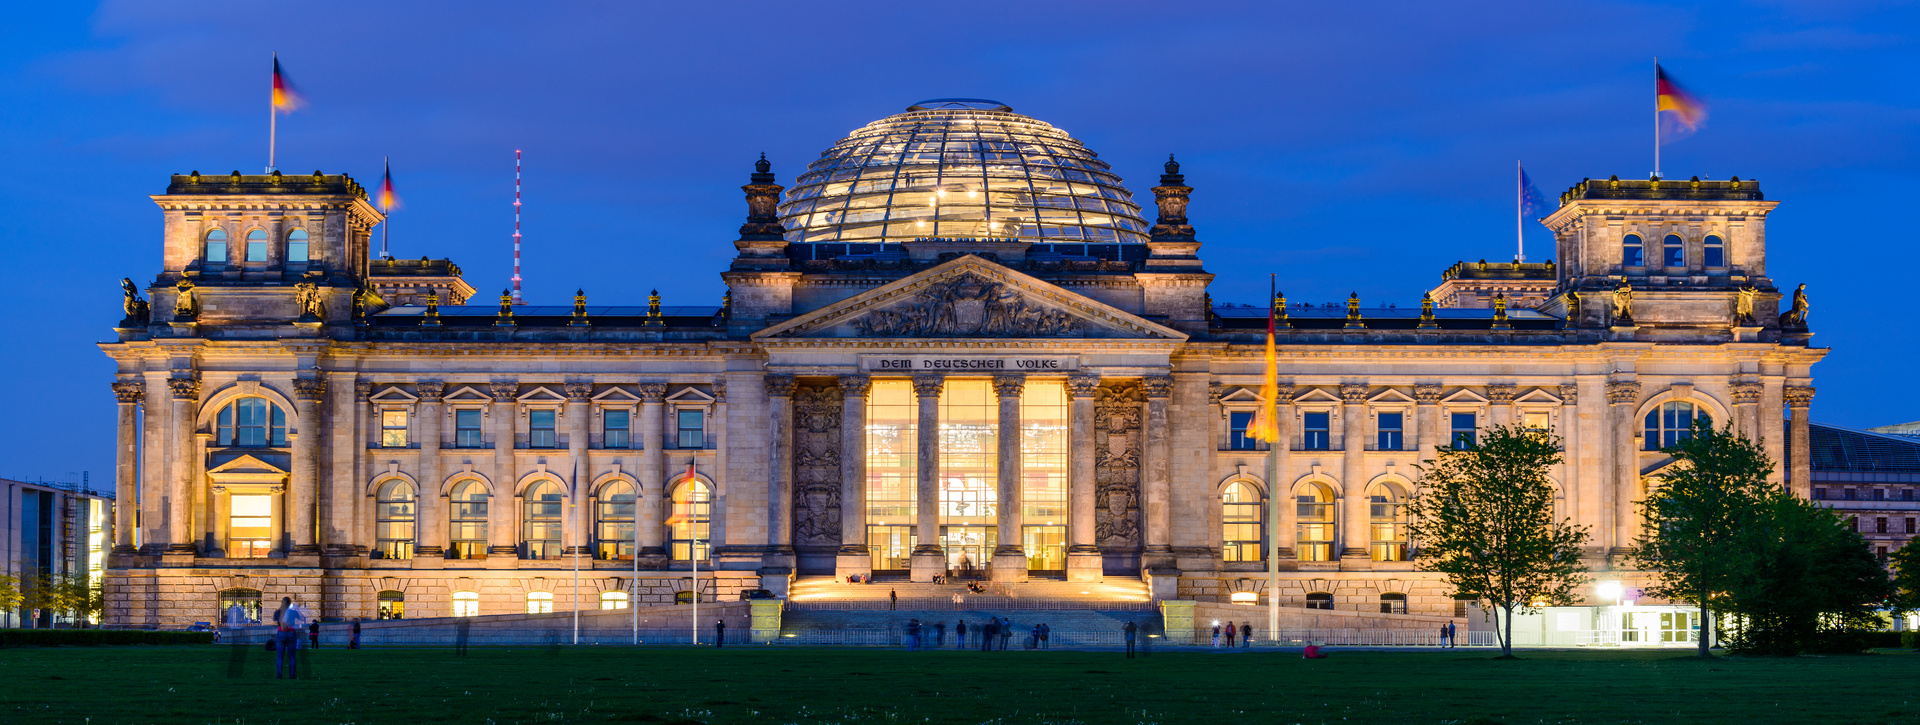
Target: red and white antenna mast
column 516, row 228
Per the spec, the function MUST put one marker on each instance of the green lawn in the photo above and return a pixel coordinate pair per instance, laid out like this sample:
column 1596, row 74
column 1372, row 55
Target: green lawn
column 761, row 685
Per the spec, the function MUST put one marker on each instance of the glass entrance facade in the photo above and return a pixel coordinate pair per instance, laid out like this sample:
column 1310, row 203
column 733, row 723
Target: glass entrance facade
column 892, row 427
column 1046, row 547
column 890, row 546
column 969, row 471
column 969, row 548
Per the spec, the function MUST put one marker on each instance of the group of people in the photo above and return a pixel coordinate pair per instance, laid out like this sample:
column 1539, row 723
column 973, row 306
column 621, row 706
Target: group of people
column 1447, row 632
column 997, row 631
column 1245, row 631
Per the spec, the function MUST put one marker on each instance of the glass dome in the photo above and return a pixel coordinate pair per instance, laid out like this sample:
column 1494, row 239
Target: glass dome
column 960, row 167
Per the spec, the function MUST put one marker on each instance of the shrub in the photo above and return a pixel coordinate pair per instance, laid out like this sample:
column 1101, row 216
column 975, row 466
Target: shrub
column 1910, row 639
column 97, row 637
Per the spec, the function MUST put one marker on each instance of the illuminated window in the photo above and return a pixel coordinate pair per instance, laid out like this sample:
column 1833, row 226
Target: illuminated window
column 466, row 604
column 1676, row 251
column 616, row 427
column 1670, row 423
column 969, row 501
column 1313, row 512
column 216, row 253
column 1714, row 252
column 257, row 245
column 613, row 600
column 539, row 602
column 1632, row 252
column 466, row 429
column 248, row 601
column 892, row 442
column 1316, row 431
column 689, row 521
column 544, row 506
column 540, row 431
column 393, row 521
column 249, row 526
column 691, row 426
column 1319, row 600
column 251, row 423
column 1463, row 426
column 297, row 245
column 613, row 521
column 1387, row 522
column 468, row 516
column 1389, row 431
column 1241, row 531
column 1043, row 474
column 1537, row 421
column 393, row 429
column 1237, row 439
column 391, row 605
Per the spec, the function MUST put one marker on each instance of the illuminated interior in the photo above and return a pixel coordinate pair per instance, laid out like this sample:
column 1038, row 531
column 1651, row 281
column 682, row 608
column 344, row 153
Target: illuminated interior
column 892, row 419
column 1043, row 474
column 969, row 472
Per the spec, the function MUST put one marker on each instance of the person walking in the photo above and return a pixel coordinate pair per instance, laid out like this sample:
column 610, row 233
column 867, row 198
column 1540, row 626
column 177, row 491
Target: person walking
column 1216, row 634
column 1453, row 635
column 313, row 633
column 1246, row 634
column 1443, row 633
column 1129, row 630
column 1230, row 632
column 987, row 633
column 353, row 636
column 286, row 639
column 893, row 599
column 719, row 632
column 1044, row 631
column 960, row 634
column 939, row 634
column 1006, row 633
column 913, row 635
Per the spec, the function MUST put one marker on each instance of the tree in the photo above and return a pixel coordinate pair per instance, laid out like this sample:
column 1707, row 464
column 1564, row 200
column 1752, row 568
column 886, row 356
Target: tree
column 1804, row 581
column 1483, row 516
column 1906, row 579
column 9, row 593
column 1693, row 516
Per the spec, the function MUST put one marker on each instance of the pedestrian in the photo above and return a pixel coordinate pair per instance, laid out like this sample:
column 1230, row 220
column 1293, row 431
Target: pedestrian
column 913, row 634
column 1246, row 634
column 719, row 632
column 1453, row 635
column 1216, row 634
column 286, row 639
column 1230, row 633
column 1443, row 633
column 939, row 634
column 893, row 599
column 1006, row 633
column 986, row 637
column 1044, row 631
column 313, row 633
column 353, row 636
column 960, row 634
column 1129, row 630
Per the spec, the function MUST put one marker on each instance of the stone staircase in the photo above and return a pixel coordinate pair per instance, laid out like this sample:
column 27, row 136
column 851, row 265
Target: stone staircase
column 829, row 611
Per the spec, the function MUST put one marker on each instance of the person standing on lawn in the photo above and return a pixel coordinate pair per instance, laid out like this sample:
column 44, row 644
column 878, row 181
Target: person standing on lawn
column 1216, row 634
column 313, row 633
column 1129, row 630
column 939, row 634
column 288, row 621
column 1246, row 634
column 960, row 634
column 1230, row 633
column 1006, row 633
column 986, row 635
column 719, row 632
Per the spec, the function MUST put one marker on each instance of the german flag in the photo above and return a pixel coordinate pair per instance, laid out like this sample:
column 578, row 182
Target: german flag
column 388, row 202
column 284, row 97
column 1266, row 422
column 1679, row 110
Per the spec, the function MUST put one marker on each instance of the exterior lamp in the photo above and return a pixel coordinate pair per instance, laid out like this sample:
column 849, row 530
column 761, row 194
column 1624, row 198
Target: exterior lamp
column 1246, row 598
column 1608, row 590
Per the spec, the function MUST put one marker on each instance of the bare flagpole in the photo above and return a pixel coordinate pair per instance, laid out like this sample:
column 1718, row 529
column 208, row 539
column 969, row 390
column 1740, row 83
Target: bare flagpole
column 1519, row 212
column 573, row 514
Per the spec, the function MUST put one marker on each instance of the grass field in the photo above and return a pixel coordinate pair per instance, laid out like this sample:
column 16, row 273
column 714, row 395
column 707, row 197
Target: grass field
column 760, row 685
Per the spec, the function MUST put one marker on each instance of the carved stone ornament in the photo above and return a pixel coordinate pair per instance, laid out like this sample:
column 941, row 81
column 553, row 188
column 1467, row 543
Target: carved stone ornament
column 968, row 306
column 653, row 392
column 184, row 307
column 309, row 388
column 1214, row 391
column 1569, row 395
column 364, row 388
column 1083, row 385
column 137, row 310
column 184, row 388
column 1623, row 391
column 1353, row 393
column 1009, row 386
column 579, row 392
column 1500, row 394
column 1746, row 393
column 779, row 386
column 1623, row 305
column 1158, row 386
column 129, row 391
column 1426, row 394
column 719, row 392
column 430, row 391
column 816, row 465
column 855, row 386
column 1117, row 422
column 503, row 390
column 307, row 296
column 1799, row 397
column 928, row 385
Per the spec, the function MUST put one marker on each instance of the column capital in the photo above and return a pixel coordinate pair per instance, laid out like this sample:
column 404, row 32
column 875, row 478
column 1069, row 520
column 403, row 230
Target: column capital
column 780, row 385
column 1009, row 385
column 928, row 385
column 719, row 392
column 503, row 390
column 184, row 388
column 579, row 392
column 1799, row 396
column 129, row 392
column 652, row 392
column 856, row 385
column 1426, row 394
column 1214, row 391
column 1158, row 386
column 1569, row 395
column 1353, row 393
column 1083, row 385
column 362, row 389
column 1623, row 392
column 309, row 389
column 1500, row 394
column 430, row 391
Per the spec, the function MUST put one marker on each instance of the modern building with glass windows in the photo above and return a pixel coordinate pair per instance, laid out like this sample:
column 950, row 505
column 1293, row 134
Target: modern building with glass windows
column 954, row 347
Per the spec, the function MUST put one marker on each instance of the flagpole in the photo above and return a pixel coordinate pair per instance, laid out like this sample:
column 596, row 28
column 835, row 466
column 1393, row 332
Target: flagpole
column 388, row 219
column 1273, row 489
column 273, row 120
column 1519, row 212
column 693, row 555
column 1656, row 117
column 573, row 514
column 633, row 588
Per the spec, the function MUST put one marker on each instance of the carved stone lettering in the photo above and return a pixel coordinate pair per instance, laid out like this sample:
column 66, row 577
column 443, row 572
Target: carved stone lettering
column 968, row 306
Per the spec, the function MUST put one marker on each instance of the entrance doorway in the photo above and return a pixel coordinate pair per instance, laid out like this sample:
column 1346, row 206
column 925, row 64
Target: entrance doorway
column 891, row 547
column 1046, row 548
column 969, row 548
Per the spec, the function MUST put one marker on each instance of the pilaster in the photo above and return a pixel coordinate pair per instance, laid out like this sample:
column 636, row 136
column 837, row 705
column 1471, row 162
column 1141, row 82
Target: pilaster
column 1009, row 558
column 1084, row 563
column 928, row 558
column 853, row 557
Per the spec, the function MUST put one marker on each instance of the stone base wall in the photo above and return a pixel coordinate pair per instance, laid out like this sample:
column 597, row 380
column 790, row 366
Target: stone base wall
column 1427, row 593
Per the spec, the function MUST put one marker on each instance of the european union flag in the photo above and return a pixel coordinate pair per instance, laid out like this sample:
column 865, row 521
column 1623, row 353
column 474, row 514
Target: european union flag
column 1533, row 205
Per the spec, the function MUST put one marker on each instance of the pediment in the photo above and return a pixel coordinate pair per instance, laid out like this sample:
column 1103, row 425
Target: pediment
column 1315, row 395
column 1539, row 396
column 246, row 465
column 970, row 297
column 393, row 395
column 1392, row 397
column 540, row 394
column 691, row 395
column 616, row 395
column 1241, row 395
column 1464, row 397
column 466, row 394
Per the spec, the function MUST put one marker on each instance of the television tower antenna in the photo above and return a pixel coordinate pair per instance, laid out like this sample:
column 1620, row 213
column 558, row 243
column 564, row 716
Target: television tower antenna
column 516, row 228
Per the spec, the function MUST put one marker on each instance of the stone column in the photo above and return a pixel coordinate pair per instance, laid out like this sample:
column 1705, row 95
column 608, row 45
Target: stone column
column 1500, row 401
column 304, row 486
column 1286, row 525
column 853, row 557
column 780, row 468
column 928, row 558
column 430, row 508
column 186, row 391
column 203, row 503
column 1084, row 563
column 1746, row 410
column 222, row 516
column 574, row 540
column 1010, row 556
column 651, row 510
column 156, row 467
column 1800, row 440
column 1156, row 474
column 341, row 490
column 1618, row 519
column 1352, row 529
column 1428, row 431
column 1573, row 474
column 503, row 532
column 126, row 468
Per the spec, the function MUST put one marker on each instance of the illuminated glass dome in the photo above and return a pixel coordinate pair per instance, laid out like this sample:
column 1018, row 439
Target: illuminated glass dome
column 960, row 167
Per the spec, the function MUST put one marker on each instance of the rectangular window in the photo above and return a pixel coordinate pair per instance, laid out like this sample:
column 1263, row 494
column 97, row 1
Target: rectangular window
column 216, row 252
column 1819, row 494
column 393, row 429
column 1906, row 494
column 1390, row 430
column 1879, row 494
column 249, row 526
column 1910, row 525
column 256, row 250
column 618, row 428
column 1316, row 431
column 692, row 428
column 540, row 433
column 1538, row 421
column 1853, row 523
column 1464, row 427
column 1880, row 525
column 1880, row 552
column 466, row 429
column 1237, row 424
column 1849, row 494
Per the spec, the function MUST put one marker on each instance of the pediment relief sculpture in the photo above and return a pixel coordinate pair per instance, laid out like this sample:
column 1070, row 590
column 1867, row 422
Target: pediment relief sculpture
column 968, row 306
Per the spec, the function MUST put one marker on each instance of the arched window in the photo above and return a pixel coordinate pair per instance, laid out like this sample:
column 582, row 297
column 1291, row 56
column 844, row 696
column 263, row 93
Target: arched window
column 216, row 247
column 1393, row 603
column 613, row 600
column 297, row 245
column 257, row 245
column 539, row 602
column 1632, row 253
column 1240, row 524
column 246, row 600
column 469, row 519
column 1713, row 252
column 393, row 521
column 1319, row 600
column 1313, row 539
column 1671, row 423
column 1676, row 251
column 251, row 423
column 466, row 604
column 613, row 522
column 392, row 605
column 688, row 523
column 1387, row 522
column 544, row 508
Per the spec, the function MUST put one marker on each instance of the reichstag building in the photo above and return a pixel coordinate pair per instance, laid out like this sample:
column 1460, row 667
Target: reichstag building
column 955, row 346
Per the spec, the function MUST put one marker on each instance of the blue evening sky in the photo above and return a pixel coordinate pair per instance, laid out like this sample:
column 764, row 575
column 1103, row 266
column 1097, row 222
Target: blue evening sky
column 1346, row 146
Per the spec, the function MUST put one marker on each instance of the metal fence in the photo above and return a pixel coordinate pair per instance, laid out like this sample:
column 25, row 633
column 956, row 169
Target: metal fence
column 966, row 603
column 452, row 634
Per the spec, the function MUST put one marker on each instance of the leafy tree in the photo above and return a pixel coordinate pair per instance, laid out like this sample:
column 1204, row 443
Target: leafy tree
column 1694, row 514
column 1804, row 582
column 1483, row 516
column 1906, row 578
column 9, row 592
